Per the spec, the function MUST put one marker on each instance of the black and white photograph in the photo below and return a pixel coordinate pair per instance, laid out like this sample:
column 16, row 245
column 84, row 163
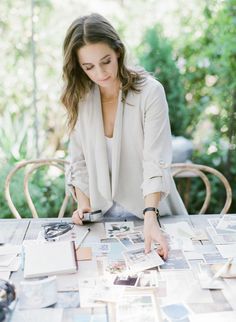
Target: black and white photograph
column 126, row 280
column 136, row 238
column 114, row 228
column 124, row 240
column 131, row 239
column 176, row 261
column 147, row 279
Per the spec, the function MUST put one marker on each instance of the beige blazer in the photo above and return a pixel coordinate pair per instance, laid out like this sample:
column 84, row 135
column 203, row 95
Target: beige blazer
column 141, row 152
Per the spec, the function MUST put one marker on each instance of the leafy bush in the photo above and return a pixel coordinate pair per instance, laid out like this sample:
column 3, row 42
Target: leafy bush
column 209, row 79
column 156, row 56
column 46, row 188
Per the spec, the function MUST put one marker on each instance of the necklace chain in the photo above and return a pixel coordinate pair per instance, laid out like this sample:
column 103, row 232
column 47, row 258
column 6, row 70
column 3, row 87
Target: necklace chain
column 110, row 101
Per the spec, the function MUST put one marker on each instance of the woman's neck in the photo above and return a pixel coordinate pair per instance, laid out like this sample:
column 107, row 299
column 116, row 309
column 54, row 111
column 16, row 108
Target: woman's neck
column 109, row 93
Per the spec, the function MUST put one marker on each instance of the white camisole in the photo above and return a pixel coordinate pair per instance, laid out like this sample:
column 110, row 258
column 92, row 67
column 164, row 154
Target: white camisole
column 109, row 152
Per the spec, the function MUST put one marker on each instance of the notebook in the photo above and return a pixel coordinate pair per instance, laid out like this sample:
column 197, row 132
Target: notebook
column 51, row 258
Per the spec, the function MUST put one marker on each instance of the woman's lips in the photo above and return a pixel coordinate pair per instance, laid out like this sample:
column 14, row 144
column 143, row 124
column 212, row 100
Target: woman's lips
column 105, row 79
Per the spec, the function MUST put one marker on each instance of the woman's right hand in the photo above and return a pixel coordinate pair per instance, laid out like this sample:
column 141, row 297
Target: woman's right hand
column 78, row 215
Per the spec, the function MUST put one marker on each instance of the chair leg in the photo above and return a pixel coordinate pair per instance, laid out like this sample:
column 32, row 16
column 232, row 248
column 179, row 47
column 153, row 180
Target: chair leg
column 63, row 206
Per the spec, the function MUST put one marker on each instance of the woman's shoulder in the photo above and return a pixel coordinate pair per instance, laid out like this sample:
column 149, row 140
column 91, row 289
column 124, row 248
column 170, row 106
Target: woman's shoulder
column 146, row 81
column 152, row 84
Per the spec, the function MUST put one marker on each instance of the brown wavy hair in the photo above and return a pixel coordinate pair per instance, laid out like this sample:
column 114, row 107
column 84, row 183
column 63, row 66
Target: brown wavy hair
column 91, row 29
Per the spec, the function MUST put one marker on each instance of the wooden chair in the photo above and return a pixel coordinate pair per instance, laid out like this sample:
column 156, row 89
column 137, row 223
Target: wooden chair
column 189, row 170
column 31, row 166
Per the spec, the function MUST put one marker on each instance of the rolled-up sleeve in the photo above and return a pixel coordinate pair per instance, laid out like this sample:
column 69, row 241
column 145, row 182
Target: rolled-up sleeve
column 76, row 172
column 157, row 152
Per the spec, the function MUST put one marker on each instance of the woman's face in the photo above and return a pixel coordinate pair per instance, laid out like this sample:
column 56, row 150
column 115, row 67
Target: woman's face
column 100, row 63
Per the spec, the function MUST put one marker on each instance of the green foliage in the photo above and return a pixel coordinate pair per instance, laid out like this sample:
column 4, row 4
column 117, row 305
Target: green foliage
column 47, row 189
column 15, row 137
column 156, row 56
column 205, row 54
column 209, row 79
column 197, row 69
column 47, row 192
column 193, row 193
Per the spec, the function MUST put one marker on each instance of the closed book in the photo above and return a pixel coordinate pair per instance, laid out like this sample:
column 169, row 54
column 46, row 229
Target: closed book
column 51, row 258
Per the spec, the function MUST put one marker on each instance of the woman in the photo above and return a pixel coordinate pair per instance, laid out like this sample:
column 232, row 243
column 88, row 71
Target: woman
column 120, row 142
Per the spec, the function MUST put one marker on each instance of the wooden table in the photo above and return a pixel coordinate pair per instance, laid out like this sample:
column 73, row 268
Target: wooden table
column 15, row 231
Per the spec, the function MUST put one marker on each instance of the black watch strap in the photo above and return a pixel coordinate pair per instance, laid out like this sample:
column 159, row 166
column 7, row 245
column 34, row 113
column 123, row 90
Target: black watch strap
column 156, row 212
column 151, row 209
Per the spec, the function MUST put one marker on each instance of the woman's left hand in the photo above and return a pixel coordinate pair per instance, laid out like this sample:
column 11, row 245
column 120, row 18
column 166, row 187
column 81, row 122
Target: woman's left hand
column 152, row 233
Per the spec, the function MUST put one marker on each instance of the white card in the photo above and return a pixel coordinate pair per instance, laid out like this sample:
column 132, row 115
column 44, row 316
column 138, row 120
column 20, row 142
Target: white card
column 38, row 294
column 227, row 251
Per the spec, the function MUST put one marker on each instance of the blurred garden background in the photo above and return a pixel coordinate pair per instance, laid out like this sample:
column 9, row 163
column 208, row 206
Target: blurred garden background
column 189, row 45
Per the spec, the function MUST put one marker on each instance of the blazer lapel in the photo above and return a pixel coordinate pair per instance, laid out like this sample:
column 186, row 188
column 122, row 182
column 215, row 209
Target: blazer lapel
column 107, row 188
column 116, row 147
column 103, row 177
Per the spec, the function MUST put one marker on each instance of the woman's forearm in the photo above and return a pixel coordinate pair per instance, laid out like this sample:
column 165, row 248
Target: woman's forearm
column 152, row 231
column 82, row 200
column 152, row 199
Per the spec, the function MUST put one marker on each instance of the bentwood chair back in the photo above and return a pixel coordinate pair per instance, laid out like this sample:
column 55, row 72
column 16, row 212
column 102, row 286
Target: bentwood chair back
column 30, row 167
column 191, row 170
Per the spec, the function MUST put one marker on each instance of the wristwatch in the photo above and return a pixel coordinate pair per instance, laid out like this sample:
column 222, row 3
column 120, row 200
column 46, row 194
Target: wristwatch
column 156, row 212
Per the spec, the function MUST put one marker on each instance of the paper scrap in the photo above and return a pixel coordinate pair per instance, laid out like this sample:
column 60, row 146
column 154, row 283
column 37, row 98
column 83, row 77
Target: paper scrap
column 84, row 254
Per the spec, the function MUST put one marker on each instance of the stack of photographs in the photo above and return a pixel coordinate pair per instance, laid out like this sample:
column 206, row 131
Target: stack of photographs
column 206, row 278
column 227, row 222
column 220, row 239
column 138, row 307
column 222, row 231
column 94, row 292
column 136, row 259
column 176, row 261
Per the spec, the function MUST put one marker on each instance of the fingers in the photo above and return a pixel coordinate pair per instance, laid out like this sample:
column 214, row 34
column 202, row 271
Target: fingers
column 77, row 217
column 84, row 210
column 163, row 251
column 148, row 243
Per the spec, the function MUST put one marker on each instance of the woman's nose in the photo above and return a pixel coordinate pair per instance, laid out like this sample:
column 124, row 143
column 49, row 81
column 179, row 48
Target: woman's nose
column 100, row 73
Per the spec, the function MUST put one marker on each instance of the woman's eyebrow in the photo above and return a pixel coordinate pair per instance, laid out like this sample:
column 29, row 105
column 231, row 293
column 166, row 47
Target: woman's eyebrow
column 100, row 60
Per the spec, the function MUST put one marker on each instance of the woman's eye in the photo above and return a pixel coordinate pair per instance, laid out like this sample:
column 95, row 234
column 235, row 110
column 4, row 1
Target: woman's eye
column 106, row 62
column 88, row 68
